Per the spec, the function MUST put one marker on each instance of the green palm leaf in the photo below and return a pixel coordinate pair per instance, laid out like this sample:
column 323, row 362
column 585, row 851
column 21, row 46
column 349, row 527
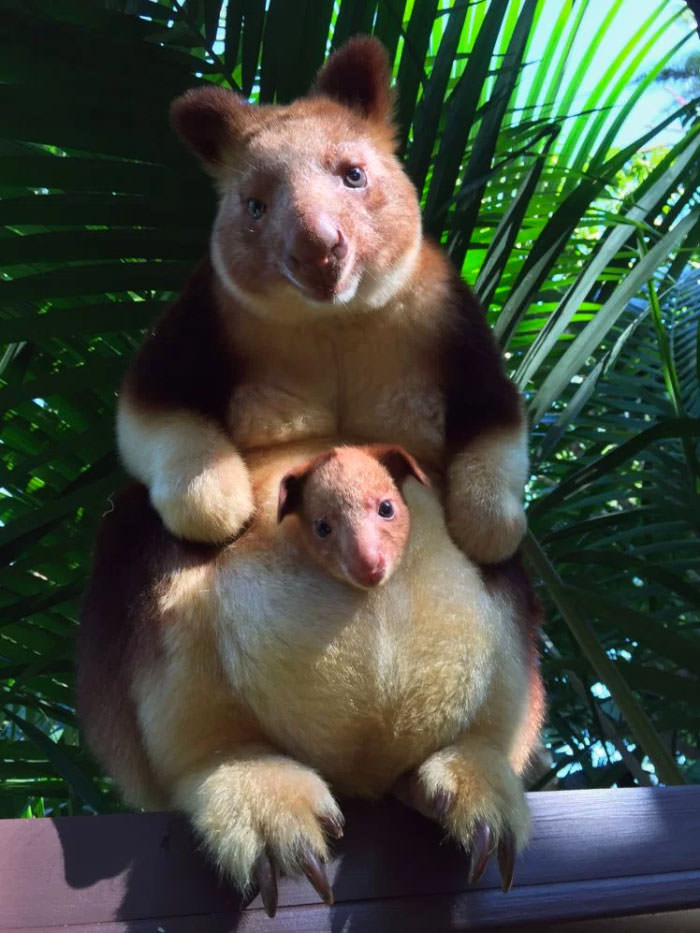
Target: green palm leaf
column 584, row 252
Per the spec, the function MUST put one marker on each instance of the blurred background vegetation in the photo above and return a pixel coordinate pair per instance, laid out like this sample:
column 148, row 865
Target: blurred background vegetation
column 555, row 145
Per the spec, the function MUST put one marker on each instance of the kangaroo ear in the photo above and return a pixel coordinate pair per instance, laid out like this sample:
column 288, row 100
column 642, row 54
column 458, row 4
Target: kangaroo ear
column 358, row 76
column 291, row 491
column 211, row 120
column 398, row 462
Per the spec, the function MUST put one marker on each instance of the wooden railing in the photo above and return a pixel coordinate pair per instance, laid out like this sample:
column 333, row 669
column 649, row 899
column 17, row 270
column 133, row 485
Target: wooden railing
column 593, row 854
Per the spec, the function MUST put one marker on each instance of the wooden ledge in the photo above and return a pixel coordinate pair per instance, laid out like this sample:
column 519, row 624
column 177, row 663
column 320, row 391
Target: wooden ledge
column 594, row 854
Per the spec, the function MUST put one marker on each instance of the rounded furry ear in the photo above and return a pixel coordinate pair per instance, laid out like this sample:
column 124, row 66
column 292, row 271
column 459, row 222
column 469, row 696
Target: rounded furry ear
column 358, row 75
column 291, row 492
column 398, row 462
column 211, row 120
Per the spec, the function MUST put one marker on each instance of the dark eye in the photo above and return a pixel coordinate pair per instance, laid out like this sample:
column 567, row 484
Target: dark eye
column 355, row 177
column 386, row 509
column 323, row 529
column 255, row 208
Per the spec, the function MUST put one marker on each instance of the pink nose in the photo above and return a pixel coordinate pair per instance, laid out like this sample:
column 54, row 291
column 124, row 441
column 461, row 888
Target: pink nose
column 370, row 571
column 316, row 244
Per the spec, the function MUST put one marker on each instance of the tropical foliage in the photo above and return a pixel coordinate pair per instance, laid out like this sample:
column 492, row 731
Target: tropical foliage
column 582, row 251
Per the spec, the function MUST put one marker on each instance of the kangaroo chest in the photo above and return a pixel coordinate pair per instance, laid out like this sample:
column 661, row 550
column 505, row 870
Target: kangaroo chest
column 362, row 383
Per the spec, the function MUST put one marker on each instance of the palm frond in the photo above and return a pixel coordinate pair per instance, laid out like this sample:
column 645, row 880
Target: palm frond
column 585, row 253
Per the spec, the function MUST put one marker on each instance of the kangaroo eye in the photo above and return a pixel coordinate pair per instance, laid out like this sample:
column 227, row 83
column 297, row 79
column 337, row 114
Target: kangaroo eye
column 323, row 529
column 386, row 509
column 255, row 208
column 355, row 177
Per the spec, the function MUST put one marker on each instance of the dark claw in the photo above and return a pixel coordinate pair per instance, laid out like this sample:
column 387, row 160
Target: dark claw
column 331, row 826
column 265, row 877
column 442, row 804
column 316, row 873
column 506, row 860
column 480, row 851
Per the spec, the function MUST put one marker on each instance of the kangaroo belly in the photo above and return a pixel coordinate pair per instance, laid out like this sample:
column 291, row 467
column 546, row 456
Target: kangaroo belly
column 361, row 685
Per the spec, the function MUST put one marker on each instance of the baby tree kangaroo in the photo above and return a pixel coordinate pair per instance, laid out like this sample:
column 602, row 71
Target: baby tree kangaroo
column 234, row 677
column 354, row 520
column 241, row 684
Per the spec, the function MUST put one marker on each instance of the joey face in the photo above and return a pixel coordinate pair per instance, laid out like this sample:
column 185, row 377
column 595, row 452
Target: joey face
column 353, row 520
column 316, row 215
column 358, row 537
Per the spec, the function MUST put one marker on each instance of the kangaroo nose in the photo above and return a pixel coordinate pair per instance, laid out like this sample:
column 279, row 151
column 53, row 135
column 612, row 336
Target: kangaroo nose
column 370, row 571
column 317, row 242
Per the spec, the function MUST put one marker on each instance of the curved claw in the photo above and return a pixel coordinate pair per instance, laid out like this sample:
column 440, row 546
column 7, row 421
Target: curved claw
column 442, row 804
column 480, row 852
column 331, row 826
column 316, row 873
column 411, row 792
column 265, row 876
column 506, row 860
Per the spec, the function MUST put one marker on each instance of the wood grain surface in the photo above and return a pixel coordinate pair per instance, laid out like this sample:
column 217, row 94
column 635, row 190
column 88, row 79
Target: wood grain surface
column 593, row 854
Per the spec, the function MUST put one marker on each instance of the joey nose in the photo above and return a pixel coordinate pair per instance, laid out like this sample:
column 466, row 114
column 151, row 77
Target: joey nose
column 376, row 574
column 371, row 571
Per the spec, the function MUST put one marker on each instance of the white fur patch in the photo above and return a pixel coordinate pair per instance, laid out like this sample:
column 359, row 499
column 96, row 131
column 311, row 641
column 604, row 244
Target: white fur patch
column 485, row 488
column 375, row 293
column 361, row 292
column 219, row 263
column 483, row 787
column 198, row 482
column 255, row 802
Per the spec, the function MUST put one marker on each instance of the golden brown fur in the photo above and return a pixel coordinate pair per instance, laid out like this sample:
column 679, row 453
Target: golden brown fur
column 269, row 685
column 324, row 313
column 242, row 682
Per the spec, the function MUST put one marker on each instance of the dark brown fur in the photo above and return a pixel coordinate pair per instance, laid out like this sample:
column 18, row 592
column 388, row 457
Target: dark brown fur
column 120, row 631
column 478, row 394
column 187, row 361
column 328, row 317
column 359, row 80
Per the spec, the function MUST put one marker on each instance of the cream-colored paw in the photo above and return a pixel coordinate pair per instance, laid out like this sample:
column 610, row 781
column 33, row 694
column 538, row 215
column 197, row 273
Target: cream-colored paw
column 210, row 505
column 473, row 786
column 485, row 489
column 261, row 815
column 486, row 531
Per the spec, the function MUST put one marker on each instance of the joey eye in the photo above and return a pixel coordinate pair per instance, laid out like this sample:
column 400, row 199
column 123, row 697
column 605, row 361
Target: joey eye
column 323, row 529
column 355, row 177
column 386, row 509
column 255, row 208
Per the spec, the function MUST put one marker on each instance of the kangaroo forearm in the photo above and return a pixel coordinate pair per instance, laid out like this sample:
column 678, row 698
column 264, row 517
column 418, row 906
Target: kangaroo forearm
column 197, row 480
column 485, row 489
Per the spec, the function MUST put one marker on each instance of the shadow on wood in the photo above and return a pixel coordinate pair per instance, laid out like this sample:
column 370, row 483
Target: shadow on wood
column 593, row 854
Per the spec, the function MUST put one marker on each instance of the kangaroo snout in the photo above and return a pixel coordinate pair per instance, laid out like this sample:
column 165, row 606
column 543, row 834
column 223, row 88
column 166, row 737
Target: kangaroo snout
column 368, row 569
column 315, row 250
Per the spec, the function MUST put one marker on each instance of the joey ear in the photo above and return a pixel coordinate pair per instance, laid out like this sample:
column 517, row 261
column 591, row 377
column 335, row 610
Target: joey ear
column 291, row 492
column 358, row 75
column 211, row 120
column 398, row 462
